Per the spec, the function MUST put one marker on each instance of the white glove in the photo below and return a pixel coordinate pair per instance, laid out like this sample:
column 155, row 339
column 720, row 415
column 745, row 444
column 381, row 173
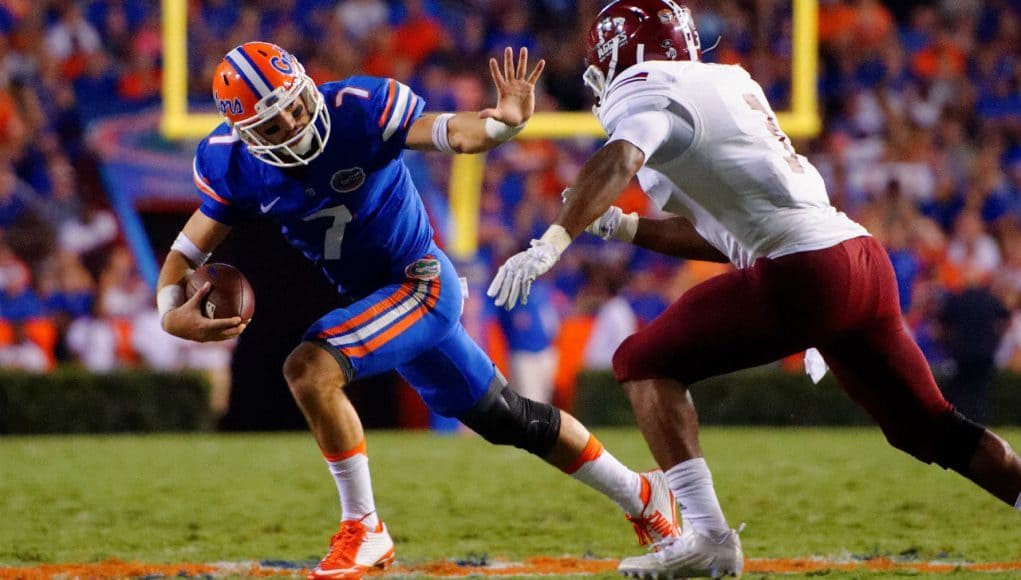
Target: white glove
column 607, row 224
column 514, row 279
column 614, row 224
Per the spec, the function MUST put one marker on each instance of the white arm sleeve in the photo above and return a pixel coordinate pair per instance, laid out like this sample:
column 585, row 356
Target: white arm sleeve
column 650, row 130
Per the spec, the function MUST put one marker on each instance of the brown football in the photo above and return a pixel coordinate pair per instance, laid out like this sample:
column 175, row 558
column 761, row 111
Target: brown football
column 230, row 295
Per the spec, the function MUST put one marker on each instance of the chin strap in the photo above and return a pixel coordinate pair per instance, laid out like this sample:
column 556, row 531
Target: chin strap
column 594, row 79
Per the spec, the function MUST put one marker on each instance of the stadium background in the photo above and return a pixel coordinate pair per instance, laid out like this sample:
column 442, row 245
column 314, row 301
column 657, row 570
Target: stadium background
column 921, row 142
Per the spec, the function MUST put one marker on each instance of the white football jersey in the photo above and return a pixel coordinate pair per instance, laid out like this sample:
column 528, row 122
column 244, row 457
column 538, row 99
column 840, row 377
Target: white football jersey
column 715, row 155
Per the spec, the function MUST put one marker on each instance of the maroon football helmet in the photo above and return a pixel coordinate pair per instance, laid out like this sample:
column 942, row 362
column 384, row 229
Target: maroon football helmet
column 628, row 32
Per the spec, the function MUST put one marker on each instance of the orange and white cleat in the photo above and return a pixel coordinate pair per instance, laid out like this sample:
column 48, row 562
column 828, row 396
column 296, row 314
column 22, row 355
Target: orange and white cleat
column 354, row 550
column 690, row 556
column 658, row 522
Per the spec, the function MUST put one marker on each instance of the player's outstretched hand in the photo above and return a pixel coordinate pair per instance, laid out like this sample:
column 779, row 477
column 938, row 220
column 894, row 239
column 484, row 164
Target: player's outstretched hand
column 514, row 279
column 186, row 321
column 516, row 88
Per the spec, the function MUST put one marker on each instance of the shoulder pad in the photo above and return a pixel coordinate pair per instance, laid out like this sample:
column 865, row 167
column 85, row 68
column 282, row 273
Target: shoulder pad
column 214, row 153
column 391, row 104
column 648, row 86
column 348, row 92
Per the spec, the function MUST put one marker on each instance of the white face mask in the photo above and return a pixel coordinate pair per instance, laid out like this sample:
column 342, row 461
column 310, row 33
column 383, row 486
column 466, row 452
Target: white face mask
column 301, row 148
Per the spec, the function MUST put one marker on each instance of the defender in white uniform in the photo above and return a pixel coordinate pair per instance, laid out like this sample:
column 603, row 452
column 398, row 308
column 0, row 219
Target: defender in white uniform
column 715, row 155
column 705, row 145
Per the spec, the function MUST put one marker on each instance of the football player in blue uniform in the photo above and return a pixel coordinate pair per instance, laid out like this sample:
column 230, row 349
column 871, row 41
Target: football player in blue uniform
column 326, row 164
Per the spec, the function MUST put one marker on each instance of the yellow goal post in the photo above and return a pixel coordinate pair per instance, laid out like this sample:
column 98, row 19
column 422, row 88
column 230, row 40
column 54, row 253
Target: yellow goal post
column 466, row 171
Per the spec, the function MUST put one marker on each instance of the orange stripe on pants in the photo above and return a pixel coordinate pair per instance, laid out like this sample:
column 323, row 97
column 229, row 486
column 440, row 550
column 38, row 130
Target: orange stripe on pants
column 371, row 312
column 387, row 335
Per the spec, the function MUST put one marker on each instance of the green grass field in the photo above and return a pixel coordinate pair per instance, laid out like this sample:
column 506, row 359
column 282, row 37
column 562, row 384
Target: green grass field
column 211, row 498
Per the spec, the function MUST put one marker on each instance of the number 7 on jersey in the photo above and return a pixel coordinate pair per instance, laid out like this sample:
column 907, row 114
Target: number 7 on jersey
column 335, row 233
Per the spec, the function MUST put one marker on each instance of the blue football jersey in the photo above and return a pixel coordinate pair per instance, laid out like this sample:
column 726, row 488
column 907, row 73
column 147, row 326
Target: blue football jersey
column 354, row 209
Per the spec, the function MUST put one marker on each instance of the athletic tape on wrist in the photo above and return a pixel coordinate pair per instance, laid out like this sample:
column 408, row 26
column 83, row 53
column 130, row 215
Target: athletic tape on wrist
column 627, row 228
column 557, row 237
column 189, row 250
column 440, row 137
column 500, row 131
column 168, row 298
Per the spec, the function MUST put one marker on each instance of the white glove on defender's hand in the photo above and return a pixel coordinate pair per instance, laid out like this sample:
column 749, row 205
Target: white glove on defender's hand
column 514, row 279
column 607, row 224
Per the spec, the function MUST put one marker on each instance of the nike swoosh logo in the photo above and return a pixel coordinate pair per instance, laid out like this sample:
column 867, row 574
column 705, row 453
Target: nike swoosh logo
column 266, row 207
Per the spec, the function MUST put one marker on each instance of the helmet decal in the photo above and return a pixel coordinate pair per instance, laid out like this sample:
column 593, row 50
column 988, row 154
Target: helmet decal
column 230, row 106
column 614, row 27
column 282, row 64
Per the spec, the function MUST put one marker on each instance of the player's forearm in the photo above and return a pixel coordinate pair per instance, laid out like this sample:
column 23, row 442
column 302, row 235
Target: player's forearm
column 170, row 292
column 185, row 254
column 675, row 236
column 467, row 133
column 600, row 182
column 174, row 271
column 457, row 133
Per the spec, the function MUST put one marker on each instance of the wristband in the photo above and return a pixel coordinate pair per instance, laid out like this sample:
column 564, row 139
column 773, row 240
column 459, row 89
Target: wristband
column 187, row 248
column 557, row 237
column 627, row 228
column 500, row 131
column 168, row 298
column 440, row 137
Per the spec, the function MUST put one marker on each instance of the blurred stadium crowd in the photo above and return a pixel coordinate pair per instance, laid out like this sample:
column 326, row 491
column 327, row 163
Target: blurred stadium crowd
column 921, row 104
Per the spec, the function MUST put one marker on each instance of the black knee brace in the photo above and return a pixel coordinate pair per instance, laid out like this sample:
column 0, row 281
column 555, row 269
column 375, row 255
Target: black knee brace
column 503, row 417
column 956, row 441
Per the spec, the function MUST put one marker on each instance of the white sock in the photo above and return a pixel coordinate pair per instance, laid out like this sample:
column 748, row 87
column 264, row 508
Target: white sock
column 1017, row 504
column 692, row 485
column 351, row 474
column 600, row 470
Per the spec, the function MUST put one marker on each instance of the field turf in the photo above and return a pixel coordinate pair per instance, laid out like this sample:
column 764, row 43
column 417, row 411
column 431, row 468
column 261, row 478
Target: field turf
column 833, row 493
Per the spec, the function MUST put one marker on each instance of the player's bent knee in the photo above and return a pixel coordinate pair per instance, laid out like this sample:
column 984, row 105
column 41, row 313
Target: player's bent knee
column 959, row 438
column 503, row 417
column 625, row 359
column 632, row 361
column 309, row 370
column 948, row 440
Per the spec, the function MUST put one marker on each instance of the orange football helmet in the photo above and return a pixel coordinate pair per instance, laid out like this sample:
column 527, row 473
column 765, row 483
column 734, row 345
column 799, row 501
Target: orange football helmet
column 256, row 82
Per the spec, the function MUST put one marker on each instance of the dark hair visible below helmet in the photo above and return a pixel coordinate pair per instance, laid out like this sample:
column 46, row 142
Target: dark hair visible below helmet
column 628, row 32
